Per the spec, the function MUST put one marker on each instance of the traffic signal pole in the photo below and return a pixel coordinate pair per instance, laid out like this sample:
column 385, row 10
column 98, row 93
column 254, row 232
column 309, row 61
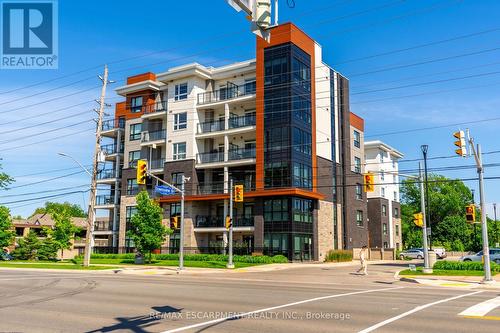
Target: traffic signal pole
column 427, row 269
column 230, row 259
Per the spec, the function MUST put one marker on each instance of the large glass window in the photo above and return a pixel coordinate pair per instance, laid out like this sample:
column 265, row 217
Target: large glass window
column 181, row 91
column 276, row 243
column 301, row 74
column 359, row 191
column 302, row 108
column 359, row 218
column 132, row 186
column 129, row 212
column 133, row 156
column 276, row 210
column 177, row 179
column 180, row 121
column 357, row 139
column 277, row 174
column 135, row 132
column 136, row 104
column 276, row 71
column 302, row 175
column 175, row 209
column 302, row 210
column 179, row 151
column 301, row 141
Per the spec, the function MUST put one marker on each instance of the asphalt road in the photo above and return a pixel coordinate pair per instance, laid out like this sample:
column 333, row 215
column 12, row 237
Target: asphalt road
column 303, row 299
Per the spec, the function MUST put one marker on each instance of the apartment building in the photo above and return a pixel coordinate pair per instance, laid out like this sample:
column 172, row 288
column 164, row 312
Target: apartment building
column 384, row 211
column 279, row 124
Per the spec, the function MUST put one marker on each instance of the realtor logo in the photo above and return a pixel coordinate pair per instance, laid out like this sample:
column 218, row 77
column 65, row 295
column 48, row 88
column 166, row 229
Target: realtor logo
column 29, row 34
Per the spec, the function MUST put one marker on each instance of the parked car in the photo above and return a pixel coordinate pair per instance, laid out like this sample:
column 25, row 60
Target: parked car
column 5, row 256
column 412, row 253
column 439, row 251
column 494, row 256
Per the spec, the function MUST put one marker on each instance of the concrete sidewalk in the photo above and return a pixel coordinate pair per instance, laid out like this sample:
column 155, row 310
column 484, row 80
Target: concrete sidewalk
column 467, row 282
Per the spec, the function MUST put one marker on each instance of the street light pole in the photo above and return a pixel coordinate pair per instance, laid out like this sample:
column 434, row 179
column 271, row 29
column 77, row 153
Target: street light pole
column 181, row 245
column 427, row 269
column 425, row 149
column 230, row 259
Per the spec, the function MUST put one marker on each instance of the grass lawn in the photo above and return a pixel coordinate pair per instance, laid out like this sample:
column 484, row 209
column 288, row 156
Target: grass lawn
column 202, row 264
column 50, row 265
column 441, row 272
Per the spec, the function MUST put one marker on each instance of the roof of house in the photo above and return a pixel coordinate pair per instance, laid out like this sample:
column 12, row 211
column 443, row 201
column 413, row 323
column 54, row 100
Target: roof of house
column 45, row 220
column 377, row 144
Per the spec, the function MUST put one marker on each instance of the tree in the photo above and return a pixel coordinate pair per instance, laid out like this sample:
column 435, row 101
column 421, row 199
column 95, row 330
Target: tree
column 6, row 228
column 64, row 231
column 146, row 228
column 28, row 247
column 48, row 249
column 5, row 179
column 447, row 201
column 73, row 210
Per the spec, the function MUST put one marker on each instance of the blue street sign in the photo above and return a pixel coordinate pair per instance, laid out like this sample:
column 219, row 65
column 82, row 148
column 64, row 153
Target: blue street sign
column 164, row 190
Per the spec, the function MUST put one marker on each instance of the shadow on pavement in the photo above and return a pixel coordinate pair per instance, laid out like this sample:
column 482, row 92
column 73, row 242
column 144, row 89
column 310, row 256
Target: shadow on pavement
column 140, row 323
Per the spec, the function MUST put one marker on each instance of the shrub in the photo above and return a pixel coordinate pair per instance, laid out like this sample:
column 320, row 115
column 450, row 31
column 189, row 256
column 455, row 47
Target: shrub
column 464, row 266
column 338, row 256
column 278, row 259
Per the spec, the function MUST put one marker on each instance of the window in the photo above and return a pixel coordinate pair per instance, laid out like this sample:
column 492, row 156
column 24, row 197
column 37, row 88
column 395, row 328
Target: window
column 395, row 196
column 302, row 175
column 384, row 210
column 385, row 245
column 276, row 210
column 382, row 175
column 382, row 153
column 384, row 228
column 136, row 104
column 132, row 186
column 302, row 210
column 301, row 74
column 133, row 156
column 180, row 121
column 175, row 209
column 135, row 132
column 301, row 141
column 177, row 179
column 179, row 151
column 396, row 212
column 397, row 229
column 250, row 86
column 359, row 192
column 129, row 212
column 382, row 193
column 357, row 139
column 181, row 91
column 359, row 218
column 357, row 164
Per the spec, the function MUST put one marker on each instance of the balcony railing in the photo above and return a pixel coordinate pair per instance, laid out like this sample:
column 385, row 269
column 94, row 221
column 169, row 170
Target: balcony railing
column 211, row 126
column 103, row 226
column 242, row 121
column 102, row 200
column 112, row 124
column 234, row 154
column 213, row 157
column 111, row 149
column 218, row 187
column 156, row 164
column 203, row 221
column 154, row 135
column 156, row 107
column 106, row 174
column 231, row 92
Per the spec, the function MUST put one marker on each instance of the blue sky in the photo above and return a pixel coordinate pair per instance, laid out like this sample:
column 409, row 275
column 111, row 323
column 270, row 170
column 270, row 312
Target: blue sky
column 161, row 34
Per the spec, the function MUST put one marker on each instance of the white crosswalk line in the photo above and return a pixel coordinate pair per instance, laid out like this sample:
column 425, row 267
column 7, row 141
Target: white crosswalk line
column 482, row 308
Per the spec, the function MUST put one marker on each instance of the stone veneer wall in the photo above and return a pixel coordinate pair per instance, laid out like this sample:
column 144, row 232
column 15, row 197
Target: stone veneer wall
column 325, row 235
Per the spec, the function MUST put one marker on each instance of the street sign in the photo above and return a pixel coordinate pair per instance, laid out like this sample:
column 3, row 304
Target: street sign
column 164, row 190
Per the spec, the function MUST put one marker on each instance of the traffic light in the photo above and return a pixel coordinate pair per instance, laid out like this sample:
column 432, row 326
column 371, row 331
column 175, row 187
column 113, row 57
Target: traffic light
column 470, row 213
column 229, row 222
column 238, row 193
column 369, row 182
column 174, row 222
column 460, row 143
column 418, row 219
column 142, row 169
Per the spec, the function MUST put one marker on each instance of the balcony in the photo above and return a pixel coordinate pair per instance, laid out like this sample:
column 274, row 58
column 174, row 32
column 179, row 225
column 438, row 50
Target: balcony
column 156, row 165
column 211, row 126
column 236, row 125
column 105, row 200
column 218, row 187
column 107, row 176
column 103, row 226
column 150, row 137
column 112, row 150
column 158, row 109
column 242, row 121
column 236, row 156
column 226, row 94
column 203, row 221
column 111, row 127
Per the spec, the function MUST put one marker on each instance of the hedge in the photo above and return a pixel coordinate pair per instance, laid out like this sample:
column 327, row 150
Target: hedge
column 464, row 266
column 278, row 259
column 338, row 256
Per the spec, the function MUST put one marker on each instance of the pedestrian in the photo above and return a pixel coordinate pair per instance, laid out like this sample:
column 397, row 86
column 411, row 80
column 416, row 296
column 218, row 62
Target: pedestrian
column 362, row 258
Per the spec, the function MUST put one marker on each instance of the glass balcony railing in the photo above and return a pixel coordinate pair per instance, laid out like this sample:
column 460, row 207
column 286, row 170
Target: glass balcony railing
column 154, row 135
column 111, row 149
column 156, row 107
column 211, row 126
column 101, row 200
column 228, row 93
column 156, row 164
column 106, row 174
column 212, row 157
column 207, row 221
column 218, row 187
column 112, row 124
column 241, row 153
column 242, row 121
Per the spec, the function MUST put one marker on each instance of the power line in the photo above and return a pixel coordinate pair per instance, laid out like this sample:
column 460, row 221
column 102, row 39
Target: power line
column 46, row 180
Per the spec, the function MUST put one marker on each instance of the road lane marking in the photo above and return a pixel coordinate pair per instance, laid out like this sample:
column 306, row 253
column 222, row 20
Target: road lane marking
column 482, row 317
column 418, row 308
column 242, row 315
column 482, row 308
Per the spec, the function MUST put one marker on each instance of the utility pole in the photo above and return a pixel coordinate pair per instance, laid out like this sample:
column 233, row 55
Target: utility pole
column 93, row 187
column 427, row 269
column 230, row 259
column 484, row 225
column 425, row 149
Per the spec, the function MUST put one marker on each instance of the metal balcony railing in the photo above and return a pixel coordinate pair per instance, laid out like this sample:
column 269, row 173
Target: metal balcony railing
column 101, row 200
column 154, row 135
column 207, row 221
column 103, row 226
column 228, row 93
column 156, row 164
column 111, row 149
column 242, row 121
column 212, row 157
column 106, row 174
column 112, row 124
column 156, row 107
column 218, row 187
column 211, row 126
column 241, row 153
